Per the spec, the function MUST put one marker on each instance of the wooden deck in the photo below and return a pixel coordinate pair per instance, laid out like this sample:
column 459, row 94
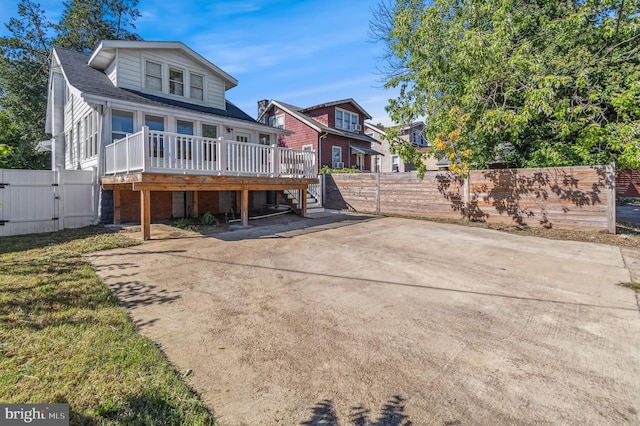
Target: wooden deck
column 147, row 182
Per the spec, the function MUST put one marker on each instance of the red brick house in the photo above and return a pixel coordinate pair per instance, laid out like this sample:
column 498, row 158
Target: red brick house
column 334, row 130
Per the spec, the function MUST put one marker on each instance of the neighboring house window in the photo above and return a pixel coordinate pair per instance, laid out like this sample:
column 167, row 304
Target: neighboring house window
column 176, row 82
column 153, row 76
column 196, row 89
column 90, row 135
column 307, row 147
column 378, row 163
column 242, row 138
column 183, row 144
column 277, row 121
column 395, row 163
column 347, row 120
column 336, row 157
column 264, row 139
column 121, row 124
column 156, row 124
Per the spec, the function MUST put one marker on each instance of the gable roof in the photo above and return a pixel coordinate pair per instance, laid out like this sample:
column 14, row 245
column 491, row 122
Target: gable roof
column 343, row 101
column 95, row 85
column 106, row 52
column 299, row 114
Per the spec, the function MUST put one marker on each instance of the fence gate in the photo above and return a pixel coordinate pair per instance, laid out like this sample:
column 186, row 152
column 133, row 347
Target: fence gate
column 28, row 202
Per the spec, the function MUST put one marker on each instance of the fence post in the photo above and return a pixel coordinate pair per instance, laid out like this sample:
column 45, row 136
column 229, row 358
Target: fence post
column 59, row 196
column 466, row 196
column 610, row 171
column 377, row 193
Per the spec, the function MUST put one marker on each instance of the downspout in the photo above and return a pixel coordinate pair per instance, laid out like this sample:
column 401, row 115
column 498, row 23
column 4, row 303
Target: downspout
column 324, row 135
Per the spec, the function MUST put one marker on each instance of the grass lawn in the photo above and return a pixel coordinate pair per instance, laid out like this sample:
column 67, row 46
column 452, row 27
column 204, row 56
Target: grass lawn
column 63, row 339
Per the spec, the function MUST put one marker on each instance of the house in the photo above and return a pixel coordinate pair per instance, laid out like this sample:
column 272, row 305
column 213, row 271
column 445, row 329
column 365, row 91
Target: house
column 334, row 130
column 152, row 121
column 412, row 133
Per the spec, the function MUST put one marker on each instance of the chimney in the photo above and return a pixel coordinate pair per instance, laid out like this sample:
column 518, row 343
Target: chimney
column 262, row 106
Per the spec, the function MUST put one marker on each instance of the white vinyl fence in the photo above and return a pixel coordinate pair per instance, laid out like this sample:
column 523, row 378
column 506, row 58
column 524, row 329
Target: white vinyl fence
column 34, row 201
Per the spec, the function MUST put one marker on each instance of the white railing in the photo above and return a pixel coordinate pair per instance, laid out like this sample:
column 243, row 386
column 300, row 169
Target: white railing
column 165, row 152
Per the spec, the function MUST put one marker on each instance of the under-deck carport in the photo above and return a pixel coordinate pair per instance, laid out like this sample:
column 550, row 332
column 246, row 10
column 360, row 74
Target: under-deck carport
column 145, row 183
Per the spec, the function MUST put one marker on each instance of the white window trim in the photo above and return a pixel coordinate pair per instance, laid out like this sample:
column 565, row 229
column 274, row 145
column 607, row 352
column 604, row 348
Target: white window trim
column 333, row 158
column 144, row 79
column 350, row 122
column 165, row 68
column 307, row 147
column 275, row 121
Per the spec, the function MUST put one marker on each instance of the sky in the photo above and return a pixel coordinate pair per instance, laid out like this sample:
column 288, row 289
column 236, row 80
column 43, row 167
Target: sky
column 301, row 52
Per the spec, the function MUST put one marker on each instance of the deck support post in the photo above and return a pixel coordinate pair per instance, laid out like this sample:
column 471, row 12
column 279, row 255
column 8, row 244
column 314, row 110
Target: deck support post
column 117, row 210
column 245, row 207
column 303, row 202
column 194, row 205
column 145, row 214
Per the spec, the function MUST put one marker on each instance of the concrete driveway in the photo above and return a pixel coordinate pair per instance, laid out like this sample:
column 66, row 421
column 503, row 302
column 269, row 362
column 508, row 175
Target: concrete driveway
column 352, row 320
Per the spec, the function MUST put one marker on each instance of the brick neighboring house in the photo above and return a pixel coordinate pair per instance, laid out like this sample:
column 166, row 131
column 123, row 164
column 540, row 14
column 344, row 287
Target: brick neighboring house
column 412, row 133
column 334, row 130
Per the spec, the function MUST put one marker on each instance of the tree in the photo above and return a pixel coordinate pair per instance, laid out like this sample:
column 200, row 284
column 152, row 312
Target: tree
column 24, row 66
column 532, row 82
column 85, row 23
column 23, row 87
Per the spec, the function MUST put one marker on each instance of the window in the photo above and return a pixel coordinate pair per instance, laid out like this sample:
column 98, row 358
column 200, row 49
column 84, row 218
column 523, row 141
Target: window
column 336, row 157
column 307, row 147
column 121, row 124
column 90, row 135
column 278, row 121
column 196, row 89
column 153, row 76
column 78, row 139
column 395, row 163
column 264, row 139
column 209, row 131
column 70, row 144
column 242, row 138
column 176, row 82
column 156, row 124
column 183, row 144
column 346, row 120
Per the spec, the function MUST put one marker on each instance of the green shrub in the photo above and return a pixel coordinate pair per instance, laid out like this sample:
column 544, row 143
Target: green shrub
column 186, row 224
column 326, row 170
column 209, row 220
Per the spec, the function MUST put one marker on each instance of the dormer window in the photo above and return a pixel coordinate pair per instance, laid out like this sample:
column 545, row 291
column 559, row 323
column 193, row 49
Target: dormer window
column 176, row 82
column 196, row 89
column 347, row 120
column 153, row 76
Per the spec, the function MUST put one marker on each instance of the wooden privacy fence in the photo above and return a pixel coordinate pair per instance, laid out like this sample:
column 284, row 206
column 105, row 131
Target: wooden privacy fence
column 34, row 201
column 581, row 198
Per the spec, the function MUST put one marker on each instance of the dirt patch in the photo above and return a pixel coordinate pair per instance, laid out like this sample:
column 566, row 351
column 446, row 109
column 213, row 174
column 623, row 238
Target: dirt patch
column 357, row 320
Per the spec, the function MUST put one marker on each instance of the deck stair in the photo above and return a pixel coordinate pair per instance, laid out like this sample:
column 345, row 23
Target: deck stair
column 291, row 199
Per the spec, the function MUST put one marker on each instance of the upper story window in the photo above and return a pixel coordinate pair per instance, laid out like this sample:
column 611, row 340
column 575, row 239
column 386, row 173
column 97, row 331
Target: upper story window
column 347, row 120
column 196, row 89
column 153, row 76
column 176, row 82
column 278, row 121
